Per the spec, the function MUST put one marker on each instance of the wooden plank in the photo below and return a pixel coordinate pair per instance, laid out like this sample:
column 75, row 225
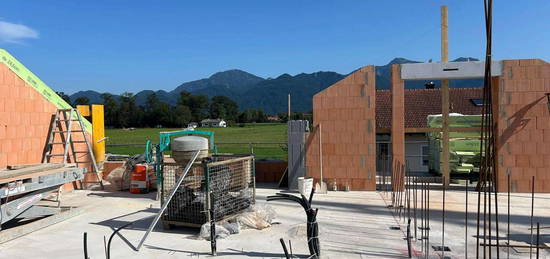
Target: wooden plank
column 10, row 176
column 35, row 168
column 445, row 96
column 15, row 167
column 19, row 231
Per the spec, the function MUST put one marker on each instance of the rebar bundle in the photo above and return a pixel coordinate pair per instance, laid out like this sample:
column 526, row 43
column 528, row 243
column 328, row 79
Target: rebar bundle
column 487, row 184
column 312, row 227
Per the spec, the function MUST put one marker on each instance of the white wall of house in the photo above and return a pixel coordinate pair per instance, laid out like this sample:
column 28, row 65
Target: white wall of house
column 416, row 151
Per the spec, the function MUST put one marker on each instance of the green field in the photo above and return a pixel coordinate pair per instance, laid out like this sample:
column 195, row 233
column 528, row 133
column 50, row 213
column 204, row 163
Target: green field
column 250, row 133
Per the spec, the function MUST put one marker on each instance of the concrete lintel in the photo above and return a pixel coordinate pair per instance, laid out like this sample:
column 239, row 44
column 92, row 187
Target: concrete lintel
column 449, row 70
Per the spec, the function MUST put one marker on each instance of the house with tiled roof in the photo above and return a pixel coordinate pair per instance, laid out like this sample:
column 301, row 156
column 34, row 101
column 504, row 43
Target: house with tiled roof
column 419, row 104
column 354, row 124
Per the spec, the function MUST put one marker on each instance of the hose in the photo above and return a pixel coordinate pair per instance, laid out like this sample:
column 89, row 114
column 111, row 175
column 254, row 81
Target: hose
column 111, row 238
column 312, row 226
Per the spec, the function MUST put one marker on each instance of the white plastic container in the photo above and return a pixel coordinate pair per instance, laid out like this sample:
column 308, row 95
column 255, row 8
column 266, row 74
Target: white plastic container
column 305, row 185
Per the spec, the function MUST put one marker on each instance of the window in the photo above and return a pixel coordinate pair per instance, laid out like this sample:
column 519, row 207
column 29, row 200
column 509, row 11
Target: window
column 384, row 150
column 425, row 155
column 477, row 101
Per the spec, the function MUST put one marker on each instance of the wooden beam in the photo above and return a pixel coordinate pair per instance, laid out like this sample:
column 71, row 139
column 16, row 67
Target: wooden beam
column 445, row 96
column 21, row 174
column 288, row 118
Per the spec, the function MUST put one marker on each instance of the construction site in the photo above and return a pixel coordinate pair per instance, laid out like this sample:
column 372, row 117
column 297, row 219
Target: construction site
column 397, row 173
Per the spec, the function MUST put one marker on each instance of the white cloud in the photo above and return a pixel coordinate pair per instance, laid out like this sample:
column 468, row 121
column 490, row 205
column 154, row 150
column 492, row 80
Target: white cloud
column 16, row 33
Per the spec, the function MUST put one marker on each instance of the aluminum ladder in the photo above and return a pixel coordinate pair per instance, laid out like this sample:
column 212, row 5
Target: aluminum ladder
column 62, row 125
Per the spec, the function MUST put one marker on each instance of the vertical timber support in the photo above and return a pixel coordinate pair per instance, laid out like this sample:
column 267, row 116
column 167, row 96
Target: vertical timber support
column 445, row 98
column 98, row 132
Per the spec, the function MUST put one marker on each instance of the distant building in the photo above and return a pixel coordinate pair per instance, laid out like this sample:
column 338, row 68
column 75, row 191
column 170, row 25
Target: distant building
column 213, row 123
column 273, row 118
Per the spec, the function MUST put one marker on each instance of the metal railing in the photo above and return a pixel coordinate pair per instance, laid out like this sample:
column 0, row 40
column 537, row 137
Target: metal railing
column 261, row 150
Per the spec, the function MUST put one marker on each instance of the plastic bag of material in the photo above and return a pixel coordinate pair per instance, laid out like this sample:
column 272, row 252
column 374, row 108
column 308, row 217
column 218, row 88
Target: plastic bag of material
column 221, row 232
column 115, row 178
column 257, row 217
column 232, row 227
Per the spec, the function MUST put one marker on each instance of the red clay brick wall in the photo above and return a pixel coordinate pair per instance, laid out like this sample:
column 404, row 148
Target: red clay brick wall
column 524, row 125
column 25, row 118
column 346, row 111
column 398, row 118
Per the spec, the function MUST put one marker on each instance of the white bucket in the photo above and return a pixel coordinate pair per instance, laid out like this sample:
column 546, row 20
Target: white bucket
column 305, row 185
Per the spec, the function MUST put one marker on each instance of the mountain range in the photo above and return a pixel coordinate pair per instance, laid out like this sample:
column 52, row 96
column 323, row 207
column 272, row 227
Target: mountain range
column 270, row 94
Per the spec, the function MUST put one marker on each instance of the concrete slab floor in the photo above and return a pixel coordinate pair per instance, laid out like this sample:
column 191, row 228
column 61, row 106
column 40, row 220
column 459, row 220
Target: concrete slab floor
column 455, row 219
column 352, row 225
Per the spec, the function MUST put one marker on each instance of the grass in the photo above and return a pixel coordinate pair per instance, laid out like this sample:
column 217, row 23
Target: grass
column 250, row 133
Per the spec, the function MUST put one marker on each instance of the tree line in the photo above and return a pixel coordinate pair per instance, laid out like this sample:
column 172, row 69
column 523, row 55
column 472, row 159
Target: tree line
column 123, row 112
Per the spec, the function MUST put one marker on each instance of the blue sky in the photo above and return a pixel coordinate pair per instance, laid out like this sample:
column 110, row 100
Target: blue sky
column 132, row 45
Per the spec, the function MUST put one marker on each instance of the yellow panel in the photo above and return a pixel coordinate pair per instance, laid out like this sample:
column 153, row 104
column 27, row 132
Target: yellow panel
column 98, row 132
column 84, row 110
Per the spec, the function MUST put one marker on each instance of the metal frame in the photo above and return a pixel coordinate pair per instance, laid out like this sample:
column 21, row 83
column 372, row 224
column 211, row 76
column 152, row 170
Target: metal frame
column 164, row 144
column 34, row 190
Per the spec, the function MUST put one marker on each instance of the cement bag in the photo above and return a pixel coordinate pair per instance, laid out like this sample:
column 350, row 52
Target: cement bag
column 257, row 217
column 115, row 178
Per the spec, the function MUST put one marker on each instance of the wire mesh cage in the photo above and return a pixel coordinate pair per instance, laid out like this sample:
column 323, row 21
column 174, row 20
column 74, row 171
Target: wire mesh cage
column 223, row 182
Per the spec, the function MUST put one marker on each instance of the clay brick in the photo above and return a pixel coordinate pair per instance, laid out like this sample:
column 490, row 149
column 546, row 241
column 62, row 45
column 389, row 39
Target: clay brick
column 509, row 162
column 3, row 159
column 13, row 158
column 519, row 72
column 5, row 145
column 529, row 148
column 543, row 123
column 543, row 148
column 545, row 71
column 20, row 131
column 515, row 98
column 536, row 161
column 543, row 174
column 522, row 160
column 528, row 62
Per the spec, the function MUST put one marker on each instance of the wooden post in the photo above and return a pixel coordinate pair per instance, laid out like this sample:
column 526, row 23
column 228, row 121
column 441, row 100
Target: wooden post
column 289, row 107
column 445, row 97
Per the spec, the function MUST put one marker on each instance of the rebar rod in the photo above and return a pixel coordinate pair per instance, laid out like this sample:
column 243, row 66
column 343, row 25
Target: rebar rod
column 538, row 239
column 415, row 183
column 409, row 238
column 85, row 245
column 466, row 223
column 443, row 220
column 532, row 213
column 428, row 218
column 508, row 226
